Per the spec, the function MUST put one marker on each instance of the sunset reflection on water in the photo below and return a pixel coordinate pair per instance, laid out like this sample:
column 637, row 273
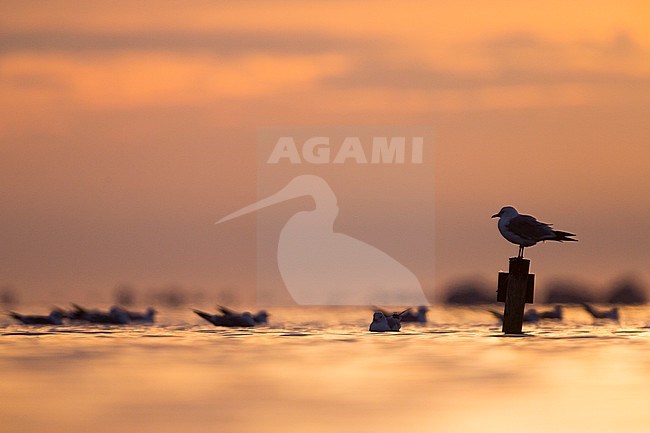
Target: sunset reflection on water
column 319, row 370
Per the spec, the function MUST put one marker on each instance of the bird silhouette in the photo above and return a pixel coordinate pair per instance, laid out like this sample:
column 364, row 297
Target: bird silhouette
column 137, row 317
column 115, row 316
column 261, row 317
column 244, row 320
column 526, row 231
column 396, row 319
column 379, row 323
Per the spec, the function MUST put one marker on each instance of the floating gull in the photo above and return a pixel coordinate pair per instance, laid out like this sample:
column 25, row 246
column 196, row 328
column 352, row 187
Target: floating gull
column 534, row 316
column 379, row 323
column 394, row 319
column 526, row 231
column 115, row 316
column 54, row 318
column 601, row 314
column 137, row 317
column 245, row 319
column 261, row 317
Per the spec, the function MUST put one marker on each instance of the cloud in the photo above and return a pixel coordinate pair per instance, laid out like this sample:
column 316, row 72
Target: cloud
column 513, row 62
column 124, row 80
column 109, row 69
column 388, row 75
column 223, row 43
column 513, row 45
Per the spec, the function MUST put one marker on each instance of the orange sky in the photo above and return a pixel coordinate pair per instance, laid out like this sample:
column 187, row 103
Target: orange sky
column 126, row 131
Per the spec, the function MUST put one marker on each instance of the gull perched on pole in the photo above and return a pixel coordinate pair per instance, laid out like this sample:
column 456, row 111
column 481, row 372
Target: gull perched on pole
column 526, row 231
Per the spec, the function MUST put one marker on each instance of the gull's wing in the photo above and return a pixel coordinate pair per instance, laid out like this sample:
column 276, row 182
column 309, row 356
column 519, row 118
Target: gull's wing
column 227, row 311
column 528, row 227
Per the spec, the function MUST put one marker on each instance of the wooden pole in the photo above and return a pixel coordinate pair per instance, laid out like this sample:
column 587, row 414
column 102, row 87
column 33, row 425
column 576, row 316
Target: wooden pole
column 513, row 313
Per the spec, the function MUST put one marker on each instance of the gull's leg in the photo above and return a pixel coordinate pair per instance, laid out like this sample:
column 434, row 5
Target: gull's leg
column 521, row 252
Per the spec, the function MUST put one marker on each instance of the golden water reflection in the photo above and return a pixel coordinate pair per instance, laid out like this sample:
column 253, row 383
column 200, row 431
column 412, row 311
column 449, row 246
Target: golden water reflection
column 319, row 370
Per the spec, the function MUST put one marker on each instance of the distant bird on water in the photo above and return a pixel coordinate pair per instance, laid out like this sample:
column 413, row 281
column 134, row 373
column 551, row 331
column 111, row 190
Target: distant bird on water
column 54, row 318
column 526, row 231
column 601, row 314
column 395, row 319
column 261, row 317
column 534, row 316
column 244, row 320
column 137, row 317
column 115, row 316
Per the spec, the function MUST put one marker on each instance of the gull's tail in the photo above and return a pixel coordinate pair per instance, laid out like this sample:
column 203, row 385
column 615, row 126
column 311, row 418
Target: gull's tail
column 561, row 236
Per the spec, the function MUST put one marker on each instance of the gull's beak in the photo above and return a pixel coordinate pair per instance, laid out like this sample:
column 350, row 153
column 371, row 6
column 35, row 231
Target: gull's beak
column 496, row 215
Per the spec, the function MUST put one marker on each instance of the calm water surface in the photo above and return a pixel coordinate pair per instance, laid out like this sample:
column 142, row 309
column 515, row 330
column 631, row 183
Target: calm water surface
column 319, row 370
